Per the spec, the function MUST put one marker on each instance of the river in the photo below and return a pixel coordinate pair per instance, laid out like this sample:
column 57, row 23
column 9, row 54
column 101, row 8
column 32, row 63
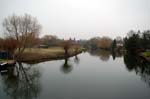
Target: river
column 94, row 75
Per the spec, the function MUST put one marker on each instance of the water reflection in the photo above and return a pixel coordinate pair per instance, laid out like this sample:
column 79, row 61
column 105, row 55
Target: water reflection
column 140, row 66
column 116, row 54
column 104, row 55
column 76, row 59
column 66, row 67
column 21, row 82
column 24, row 82
column 132, row 62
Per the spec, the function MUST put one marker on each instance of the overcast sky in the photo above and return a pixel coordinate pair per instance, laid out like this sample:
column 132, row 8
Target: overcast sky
column 82, row 19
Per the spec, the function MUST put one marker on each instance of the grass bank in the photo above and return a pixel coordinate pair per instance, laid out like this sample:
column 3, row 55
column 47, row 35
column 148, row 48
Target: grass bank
column 36, row 55
column 4, row 60
column 146, row 55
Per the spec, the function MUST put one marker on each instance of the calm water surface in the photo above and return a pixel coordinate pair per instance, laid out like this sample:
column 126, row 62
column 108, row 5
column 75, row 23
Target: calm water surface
column 87, row 76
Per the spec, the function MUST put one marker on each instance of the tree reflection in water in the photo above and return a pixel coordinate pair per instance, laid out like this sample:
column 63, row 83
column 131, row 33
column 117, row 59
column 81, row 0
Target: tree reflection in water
column 22, row 82
column 104, row 55
column 76, row 59
column 116, row 54
column 139, row 65
column 132, row 62
column 66, row 67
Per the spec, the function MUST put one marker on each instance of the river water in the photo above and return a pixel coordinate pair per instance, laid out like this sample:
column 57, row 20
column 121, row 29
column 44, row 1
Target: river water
column 94, row 75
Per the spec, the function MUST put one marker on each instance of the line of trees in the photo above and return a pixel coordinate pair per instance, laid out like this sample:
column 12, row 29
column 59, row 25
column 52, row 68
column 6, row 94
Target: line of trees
column 137, row 41
column 23, row 32
column 99, row 43
column 50, row 40
column 105, row 43
column 8, row 44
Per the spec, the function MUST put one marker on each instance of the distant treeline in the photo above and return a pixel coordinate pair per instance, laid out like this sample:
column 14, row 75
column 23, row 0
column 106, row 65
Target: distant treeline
column 137, row 41
column 22, row 31
column 133, row 42
column 105, row 43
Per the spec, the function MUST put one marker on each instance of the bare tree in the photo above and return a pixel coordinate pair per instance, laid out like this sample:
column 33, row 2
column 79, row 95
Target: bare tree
column 21, row 28
column 20, row 83
column 1, row 43
column 10, row 45
column 66, row 46
column 32, row 40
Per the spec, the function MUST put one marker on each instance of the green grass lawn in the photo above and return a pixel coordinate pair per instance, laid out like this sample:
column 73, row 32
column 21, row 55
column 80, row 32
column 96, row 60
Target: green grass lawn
column 4, row 60
column 147, row 54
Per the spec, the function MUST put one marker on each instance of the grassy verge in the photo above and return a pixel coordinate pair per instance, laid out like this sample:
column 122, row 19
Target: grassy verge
column 146, row 54
column 5, row 60
column 37, row 55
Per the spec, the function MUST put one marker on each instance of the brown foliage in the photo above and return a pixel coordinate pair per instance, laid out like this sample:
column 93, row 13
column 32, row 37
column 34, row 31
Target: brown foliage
column 1, row 43
column 105, row 43
column 66, row 44
column 9, row 44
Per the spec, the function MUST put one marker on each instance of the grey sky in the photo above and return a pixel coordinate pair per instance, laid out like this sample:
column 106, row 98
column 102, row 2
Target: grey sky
column 82, row 18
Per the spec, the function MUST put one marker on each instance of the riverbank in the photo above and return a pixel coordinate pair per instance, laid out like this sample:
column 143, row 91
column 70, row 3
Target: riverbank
column 146, row 55
column 37, row 55
column 6, row 61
